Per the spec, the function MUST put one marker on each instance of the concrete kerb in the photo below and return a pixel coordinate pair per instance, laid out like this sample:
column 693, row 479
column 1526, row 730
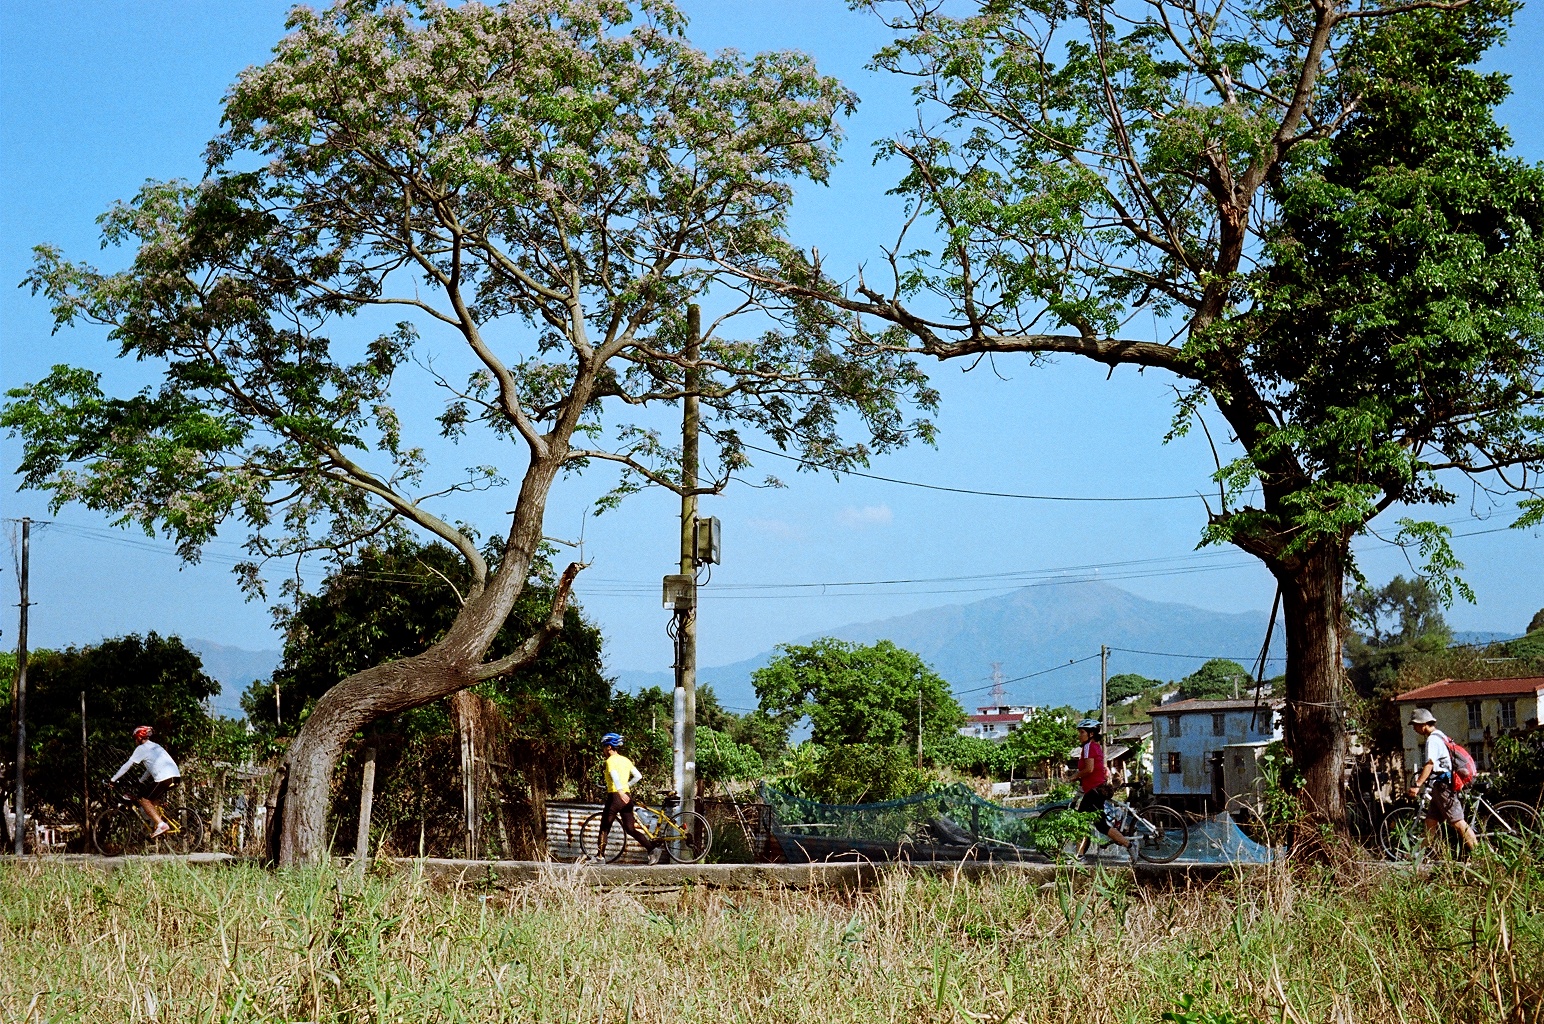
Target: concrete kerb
column 847, row 875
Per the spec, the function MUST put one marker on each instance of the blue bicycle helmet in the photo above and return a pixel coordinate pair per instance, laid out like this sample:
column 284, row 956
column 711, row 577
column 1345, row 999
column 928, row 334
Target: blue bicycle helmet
column 1091, row 725
column 611, row 739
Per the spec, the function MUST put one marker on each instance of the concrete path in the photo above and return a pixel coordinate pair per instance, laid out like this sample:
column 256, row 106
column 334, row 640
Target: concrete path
column 846, row 875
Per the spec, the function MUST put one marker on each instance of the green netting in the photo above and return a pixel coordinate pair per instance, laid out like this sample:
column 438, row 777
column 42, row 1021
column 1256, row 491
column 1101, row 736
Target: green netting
column 949, row 823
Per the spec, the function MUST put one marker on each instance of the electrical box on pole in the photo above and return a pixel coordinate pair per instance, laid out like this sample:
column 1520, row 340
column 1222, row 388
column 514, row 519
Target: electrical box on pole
column 680, row 592
column 708, row 541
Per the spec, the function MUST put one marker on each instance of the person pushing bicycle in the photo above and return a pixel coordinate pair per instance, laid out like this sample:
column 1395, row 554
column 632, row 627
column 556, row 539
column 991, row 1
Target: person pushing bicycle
column 160, row 774
column 1094, row 780
column 621, row 776
column 1444, row 804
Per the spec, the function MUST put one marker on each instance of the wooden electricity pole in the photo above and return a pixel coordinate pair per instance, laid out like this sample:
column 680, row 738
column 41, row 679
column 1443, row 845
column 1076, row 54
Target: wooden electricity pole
column 1104, row 692
column 20, row 805
column 685, row 775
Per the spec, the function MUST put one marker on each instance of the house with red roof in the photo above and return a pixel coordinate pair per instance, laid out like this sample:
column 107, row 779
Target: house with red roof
column 1474, row 712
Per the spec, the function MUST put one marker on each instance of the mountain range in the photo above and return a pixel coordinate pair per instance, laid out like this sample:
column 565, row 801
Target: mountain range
column 234, row 668
column 1034, row 631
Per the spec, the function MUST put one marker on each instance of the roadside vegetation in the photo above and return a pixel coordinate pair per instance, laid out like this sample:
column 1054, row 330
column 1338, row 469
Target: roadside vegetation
column 179, row 944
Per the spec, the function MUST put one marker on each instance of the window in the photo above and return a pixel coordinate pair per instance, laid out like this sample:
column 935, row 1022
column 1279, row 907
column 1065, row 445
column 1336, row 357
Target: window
column 1506, row 715
column 1219, row 725
column 1173, row 725
column 1174, row 768
column 1476, row 719
column 1263, row 721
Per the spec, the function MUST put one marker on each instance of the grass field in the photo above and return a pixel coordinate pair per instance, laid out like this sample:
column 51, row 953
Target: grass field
column 179, row 944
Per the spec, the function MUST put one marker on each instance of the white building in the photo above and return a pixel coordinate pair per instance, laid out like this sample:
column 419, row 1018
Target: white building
column 1189, row 737
column 995, row 722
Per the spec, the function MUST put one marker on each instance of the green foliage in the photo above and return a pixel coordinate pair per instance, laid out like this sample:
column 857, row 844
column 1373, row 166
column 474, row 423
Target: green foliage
column 1519, row 761
column 1042, row 743
column 1529, row 648
column 1536, row 623
column 969, row 755
column 395, row 601
column 1218, row 679
column 721, row 759
column 855, row 694
column 546, row 185
column 1281, row 803
column 128, row 681
column 1401, row 619
column 1128, row 684
column 853, row 773
column 761, row 732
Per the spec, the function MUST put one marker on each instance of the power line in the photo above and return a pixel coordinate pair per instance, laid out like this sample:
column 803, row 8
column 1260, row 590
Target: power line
column 1196, row 657
column 966, row 490
column 1030, row 675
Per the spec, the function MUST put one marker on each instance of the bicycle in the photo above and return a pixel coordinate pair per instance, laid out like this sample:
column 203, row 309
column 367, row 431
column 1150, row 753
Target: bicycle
column 127, row 829
column 1402, row 832
column 1159, row 832
column 685, row 835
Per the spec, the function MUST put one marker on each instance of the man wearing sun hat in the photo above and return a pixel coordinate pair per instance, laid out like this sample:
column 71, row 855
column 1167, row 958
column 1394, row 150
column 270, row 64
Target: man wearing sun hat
column 1444, row 804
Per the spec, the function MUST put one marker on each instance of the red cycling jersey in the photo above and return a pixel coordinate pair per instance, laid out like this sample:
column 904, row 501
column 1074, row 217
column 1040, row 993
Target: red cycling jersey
column 1092, row 751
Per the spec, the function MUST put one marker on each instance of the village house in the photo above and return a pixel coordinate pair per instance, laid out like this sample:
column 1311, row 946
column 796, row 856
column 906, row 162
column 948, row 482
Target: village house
column 1197, row 742
column 1474, row 712
column 995, row 722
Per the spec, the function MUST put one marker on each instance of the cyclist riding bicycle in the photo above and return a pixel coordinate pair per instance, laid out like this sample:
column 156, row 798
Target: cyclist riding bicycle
column 621, row 776
column 160, row 774
column 1094, row 780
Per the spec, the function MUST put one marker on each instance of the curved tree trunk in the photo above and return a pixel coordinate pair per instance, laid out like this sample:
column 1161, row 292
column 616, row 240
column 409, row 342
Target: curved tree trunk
column 453, row 664
column 1312, row 594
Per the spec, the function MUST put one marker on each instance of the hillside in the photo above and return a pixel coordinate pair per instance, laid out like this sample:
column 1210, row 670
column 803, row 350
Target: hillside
column 1029, row 630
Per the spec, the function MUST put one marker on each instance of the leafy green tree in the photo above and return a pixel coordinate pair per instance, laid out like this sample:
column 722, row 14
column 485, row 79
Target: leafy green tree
column 1537, row 622
column 1312, row 201
column 1218, row 679
column 544, row 187
column 1393, row 622
column 968, row 755
column 391, row 602
column 856, row 694
column 766, row 735
column 128, row 681
column 1041, row 744
column 854, row 773
column 1123, row 685
column 721, row 759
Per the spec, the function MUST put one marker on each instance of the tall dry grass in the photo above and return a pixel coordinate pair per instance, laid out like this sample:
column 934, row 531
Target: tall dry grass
column 179, row 944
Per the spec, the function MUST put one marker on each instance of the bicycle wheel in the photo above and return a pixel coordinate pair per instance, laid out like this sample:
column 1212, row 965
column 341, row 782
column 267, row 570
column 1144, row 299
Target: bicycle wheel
column 188, row 834
column 589, row 839
column 1402, row 834
column 120, row 832
column 687, row 837
column 1508, row 823
column 1162, row 832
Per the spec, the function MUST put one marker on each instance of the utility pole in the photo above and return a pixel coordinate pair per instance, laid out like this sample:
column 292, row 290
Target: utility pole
column 1104, row 691
column 919, row 723
column 85, row 769
column 20, row 803
column 685, row 775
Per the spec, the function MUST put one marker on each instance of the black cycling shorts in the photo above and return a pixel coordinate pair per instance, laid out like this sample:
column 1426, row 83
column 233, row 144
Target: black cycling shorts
column 1094, row 800
column 156, row 791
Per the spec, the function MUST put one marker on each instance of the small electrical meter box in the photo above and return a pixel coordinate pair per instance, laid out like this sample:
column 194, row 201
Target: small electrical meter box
column 680, row 592
column 708, row 550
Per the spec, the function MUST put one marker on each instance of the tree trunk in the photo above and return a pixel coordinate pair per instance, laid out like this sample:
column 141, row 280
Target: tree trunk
column 451, row 665
column 1312, row 596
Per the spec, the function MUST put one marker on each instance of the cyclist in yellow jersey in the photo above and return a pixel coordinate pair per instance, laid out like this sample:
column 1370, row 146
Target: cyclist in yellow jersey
column 621, row 776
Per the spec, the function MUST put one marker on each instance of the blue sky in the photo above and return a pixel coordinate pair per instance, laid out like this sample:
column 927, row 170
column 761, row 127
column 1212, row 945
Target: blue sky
column 101, row 96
